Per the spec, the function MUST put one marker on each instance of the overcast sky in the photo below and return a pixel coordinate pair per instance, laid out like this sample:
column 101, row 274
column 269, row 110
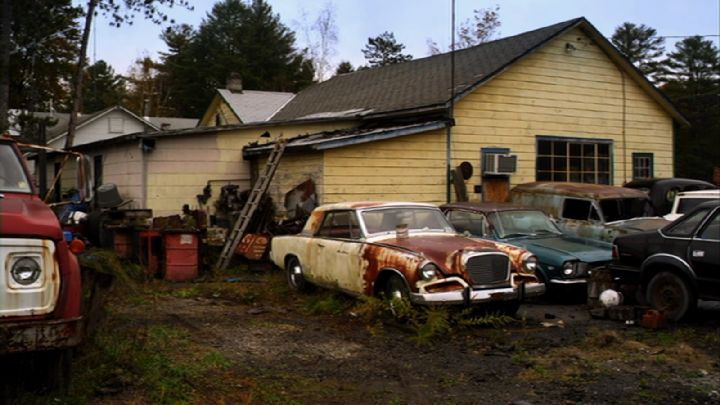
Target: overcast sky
column 415, row 21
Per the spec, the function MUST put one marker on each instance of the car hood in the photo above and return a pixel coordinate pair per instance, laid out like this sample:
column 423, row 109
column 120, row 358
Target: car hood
column 27, row 217
column 557, row 249
column 639, row 224
column 444, row 249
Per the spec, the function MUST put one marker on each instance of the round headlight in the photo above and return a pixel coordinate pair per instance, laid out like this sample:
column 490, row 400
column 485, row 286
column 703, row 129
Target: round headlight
column 568, row 268
column 429, row 271
column 530, row 264
column 25, row 271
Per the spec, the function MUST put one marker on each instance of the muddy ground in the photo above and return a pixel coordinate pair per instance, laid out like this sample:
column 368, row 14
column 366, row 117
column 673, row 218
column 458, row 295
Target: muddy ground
column 245, row 338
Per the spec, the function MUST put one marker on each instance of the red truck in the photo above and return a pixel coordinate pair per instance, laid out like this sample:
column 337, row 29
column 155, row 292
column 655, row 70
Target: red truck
column 40, row 282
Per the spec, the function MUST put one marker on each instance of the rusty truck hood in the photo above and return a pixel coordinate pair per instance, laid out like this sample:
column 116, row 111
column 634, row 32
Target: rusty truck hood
column 25, row 216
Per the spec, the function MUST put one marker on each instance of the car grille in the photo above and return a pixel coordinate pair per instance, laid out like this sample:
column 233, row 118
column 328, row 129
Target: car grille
column 488, row 268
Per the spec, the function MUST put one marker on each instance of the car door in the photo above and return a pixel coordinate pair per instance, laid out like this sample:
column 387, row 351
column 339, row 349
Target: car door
column 336, row 262
column 704, row 255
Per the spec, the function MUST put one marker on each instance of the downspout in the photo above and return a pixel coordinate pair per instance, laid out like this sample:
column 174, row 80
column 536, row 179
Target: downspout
column 624, row 125
column 448, row 146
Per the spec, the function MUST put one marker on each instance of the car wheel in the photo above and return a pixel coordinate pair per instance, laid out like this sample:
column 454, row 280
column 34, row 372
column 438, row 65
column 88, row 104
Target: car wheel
column 670, row 294
column 395, row 288
column 295, row 276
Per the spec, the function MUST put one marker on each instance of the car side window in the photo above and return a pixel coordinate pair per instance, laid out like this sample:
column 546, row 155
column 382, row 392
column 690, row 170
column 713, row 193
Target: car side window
column 340, row 224
column 578, row 209
column 712, row 228
column 685, row 226
column 472, row 222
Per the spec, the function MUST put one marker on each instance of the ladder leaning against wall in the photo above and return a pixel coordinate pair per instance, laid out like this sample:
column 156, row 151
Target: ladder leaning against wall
column 246, row 214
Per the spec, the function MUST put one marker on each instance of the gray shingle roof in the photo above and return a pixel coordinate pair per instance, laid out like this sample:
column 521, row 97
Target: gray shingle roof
column 255, row 106
column 416, row 84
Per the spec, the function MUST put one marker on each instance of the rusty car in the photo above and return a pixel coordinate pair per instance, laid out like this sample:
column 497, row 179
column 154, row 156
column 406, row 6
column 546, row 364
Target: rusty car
column 563, row 260
column 674, row 266
column 40, row 282
column 403, row 250
column 594, row 211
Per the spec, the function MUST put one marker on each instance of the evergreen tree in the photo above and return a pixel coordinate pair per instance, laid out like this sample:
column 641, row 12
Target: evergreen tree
column 384, row 50
column 641, row 45
column 102, row 88
column 692, row 79
column 344, row 67
column 238, row 38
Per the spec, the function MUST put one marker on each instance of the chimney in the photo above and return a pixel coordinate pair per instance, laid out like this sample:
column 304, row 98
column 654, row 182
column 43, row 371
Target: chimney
column 234, row 83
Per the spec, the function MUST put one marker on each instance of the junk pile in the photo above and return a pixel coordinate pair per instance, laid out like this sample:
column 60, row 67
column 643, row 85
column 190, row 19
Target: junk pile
column 176, row 247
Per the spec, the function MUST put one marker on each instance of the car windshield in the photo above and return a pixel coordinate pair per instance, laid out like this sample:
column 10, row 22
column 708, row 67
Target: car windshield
column 12, row 175
column 617, row 209
column 417, row 219
column 510, row 224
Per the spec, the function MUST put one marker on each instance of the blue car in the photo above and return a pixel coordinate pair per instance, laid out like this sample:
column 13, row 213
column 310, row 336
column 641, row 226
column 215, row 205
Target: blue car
column 563, row 259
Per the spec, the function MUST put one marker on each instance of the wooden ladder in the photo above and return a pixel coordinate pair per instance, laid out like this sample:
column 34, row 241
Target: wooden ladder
column 246, row 214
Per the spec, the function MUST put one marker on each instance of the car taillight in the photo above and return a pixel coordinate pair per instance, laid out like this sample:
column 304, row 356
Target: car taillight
column 615, row 252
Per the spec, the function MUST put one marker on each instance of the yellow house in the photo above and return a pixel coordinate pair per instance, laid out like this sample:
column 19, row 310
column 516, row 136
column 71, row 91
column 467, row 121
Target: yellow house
column 558, row 103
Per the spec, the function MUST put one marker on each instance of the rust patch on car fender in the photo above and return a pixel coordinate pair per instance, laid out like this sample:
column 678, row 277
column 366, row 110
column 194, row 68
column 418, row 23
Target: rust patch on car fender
column 378, row 257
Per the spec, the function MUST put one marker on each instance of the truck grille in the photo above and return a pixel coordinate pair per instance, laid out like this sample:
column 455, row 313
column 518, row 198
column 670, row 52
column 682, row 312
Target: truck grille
column 488, row 268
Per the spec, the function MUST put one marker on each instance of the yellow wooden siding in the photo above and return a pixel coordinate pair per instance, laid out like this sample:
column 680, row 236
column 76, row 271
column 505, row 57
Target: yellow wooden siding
column 556, row 93
column 409, row 168
column 219, row 106
column 180, row 167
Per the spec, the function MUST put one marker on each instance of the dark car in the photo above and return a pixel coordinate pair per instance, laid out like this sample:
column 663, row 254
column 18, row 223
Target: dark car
column 675, row 265
column 661, row 191
column 562, row 259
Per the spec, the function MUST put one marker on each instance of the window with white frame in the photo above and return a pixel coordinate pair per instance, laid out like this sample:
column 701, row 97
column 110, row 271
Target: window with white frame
column 573, row 159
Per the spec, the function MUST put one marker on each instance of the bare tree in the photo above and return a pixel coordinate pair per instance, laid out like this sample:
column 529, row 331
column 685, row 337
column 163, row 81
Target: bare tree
column 5, row 21
column 120, row 12
column 321, row 36
column 481, row 28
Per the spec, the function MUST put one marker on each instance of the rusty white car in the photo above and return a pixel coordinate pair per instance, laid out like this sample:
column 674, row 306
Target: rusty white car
column 403, row 250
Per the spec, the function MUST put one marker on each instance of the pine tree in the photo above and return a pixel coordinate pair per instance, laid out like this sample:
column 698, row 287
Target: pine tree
column 384, row 50
column 641, row 45
column 102, row 88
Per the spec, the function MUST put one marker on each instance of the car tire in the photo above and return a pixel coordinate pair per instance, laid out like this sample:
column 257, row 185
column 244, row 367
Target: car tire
column 395, row 288
column 669, row 293
column 295, row 276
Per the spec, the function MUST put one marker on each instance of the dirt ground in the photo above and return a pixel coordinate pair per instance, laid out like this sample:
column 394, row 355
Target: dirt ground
column 267, row 344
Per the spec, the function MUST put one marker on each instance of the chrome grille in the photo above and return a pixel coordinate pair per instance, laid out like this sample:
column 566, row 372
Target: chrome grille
column 488, row 268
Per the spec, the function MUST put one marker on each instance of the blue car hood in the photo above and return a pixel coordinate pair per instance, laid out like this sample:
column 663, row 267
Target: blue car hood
column 566, row 248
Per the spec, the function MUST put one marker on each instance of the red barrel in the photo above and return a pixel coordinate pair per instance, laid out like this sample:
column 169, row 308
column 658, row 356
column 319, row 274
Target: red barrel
column 181, row 255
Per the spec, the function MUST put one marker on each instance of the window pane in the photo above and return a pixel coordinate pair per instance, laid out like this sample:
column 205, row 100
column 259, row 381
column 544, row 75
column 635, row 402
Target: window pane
column 544, row 147
column 560, row 163
column 603, row 150
column 589, row 149
column 543, row 176
column 588, row 178
column 712, row 229
column 575, row 164
column 588, row 164
column 560, row 176
column 543, row 163
column 559, row 148
column 603, row 165
column 686, row 225
column 574, row 149
column 575, row 177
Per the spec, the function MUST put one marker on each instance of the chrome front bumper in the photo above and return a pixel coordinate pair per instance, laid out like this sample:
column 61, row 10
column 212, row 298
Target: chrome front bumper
column 479, row 296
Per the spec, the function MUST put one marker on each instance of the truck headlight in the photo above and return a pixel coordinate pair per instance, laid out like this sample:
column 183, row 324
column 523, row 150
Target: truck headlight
column 529, row 264
column 429, row 271
column 26, row 270
column 568, row 269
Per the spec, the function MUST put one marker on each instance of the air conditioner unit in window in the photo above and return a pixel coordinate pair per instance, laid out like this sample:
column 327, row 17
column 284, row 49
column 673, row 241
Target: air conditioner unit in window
column 499, row 164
